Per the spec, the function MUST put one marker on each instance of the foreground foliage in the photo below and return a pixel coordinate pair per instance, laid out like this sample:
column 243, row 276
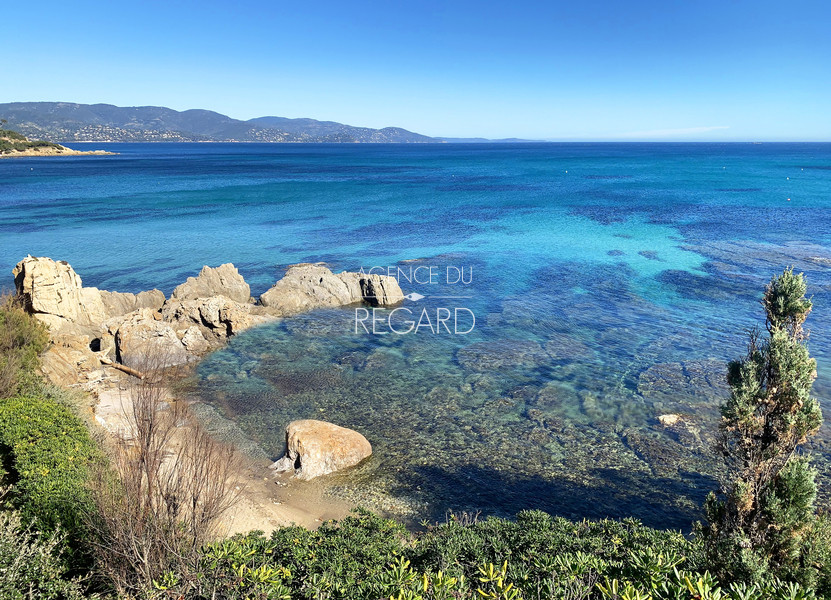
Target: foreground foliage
column 46, row 452
column 32, row 565
column 159, row 499
column 534, row 557
column 45, row 447
column 49, row 450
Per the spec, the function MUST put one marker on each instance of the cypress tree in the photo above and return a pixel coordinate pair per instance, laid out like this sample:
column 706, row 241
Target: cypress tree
column 762, row 523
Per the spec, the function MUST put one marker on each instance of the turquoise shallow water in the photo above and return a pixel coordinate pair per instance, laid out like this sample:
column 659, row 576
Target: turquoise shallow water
column 610, row 282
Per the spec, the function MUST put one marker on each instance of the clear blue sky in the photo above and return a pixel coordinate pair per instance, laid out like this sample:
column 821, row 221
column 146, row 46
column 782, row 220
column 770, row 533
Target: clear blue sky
column 583, row 69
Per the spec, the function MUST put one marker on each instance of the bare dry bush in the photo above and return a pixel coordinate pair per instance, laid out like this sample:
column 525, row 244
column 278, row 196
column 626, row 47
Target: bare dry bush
column 168, row 486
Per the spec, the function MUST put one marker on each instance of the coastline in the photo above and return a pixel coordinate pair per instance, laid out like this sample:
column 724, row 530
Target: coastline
column 266, row 501
column 63, row 151
column 101, row 341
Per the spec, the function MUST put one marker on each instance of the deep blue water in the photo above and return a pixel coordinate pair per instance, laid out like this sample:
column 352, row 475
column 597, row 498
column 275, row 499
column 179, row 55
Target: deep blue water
column 610, row 282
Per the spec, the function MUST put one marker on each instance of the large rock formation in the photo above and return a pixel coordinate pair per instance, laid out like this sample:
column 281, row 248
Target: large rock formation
column 223, row 280
column 53, row 292
column 76, row 316
column 143, row 342
column 89, row 326
column 378, row 290
column 216, row 318
column 307, row 286
column 315, row 448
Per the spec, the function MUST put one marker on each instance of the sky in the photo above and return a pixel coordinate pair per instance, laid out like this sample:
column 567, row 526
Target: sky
column 581, row 70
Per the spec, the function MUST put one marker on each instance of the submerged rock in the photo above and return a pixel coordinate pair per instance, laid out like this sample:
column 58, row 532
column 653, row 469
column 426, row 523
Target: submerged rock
column 692, row 378
column 649, row 254
column 662, row 455
column 315, row 448
column 669, row 420
column 493, row 356
column 564, row 347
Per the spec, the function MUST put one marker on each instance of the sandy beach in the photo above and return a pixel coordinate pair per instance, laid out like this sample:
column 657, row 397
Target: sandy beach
column 266, row 500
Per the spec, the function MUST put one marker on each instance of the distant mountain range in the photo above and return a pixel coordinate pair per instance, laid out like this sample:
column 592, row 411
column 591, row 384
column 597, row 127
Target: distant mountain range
column 68, row 122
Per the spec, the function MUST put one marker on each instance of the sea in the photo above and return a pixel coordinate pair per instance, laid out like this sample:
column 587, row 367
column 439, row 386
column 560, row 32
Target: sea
column 571, row 307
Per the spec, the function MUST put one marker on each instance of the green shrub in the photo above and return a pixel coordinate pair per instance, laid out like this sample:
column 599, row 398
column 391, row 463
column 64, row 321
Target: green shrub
column 12, row 135
column 540, row 557
column 537, row 557
column 765, row 522
column 22, row 339
column 48, row 450
column 341, row 558
column 12, row 141
column 460, row 549
column 31, row 565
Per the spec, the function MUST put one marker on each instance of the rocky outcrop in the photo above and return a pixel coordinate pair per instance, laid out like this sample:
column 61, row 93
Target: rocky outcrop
column 70, row 361
column 143, row 342
column 194, row 342
column 315, row 448
column 216, row 318
column 223, row 280
column 53, row 292
column 307, row 286
column 88, row 325
column 378, row 290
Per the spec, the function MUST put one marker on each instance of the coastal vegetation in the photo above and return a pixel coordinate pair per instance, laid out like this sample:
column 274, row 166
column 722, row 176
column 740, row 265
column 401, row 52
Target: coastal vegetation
column 45, row 455
column 767, row 519
column 83, row 519
column 11, row 141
